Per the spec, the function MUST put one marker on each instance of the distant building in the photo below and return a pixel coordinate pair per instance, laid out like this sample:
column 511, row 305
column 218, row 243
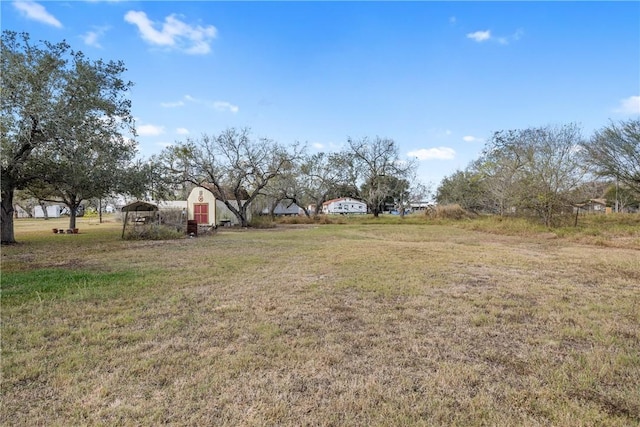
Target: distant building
column 203, row 207
column 344, row 205
column 283, row 209
column 53, row 211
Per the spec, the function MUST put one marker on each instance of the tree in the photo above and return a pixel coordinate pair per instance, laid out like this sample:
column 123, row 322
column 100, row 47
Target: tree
column 464, row 188
column 545, row 171
column 31, row 79
column 232, row 166
column 416, row 193
column 80, row 169
column 63, row 119
column 614, row 151
column 319, row 177
column 283, row 187
column 501, row 171
column 621, row 198
column 373, row 161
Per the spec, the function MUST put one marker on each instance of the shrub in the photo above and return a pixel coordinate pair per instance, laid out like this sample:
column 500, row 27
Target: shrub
column 261, row 222
column 453, row 212
column 153, row 232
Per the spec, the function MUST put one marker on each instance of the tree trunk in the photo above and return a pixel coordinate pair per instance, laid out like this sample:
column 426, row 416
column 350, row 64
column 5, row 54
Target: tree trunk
column 243, row 216
column 73, row 212
column 6, row 228
column 44, row 209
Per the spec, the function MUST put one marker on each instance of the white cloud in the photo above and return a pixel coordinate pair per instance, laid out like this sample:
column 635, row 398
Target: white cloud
column 452, row 20
column 440, row 153
column 37, row 12
column 91, row 38
column 182, row 131
column 175, row 34
column 517, row 35
column 150, row 130
column 225, row 106
column 512, row 38
column 630, row 105
column 480, row 36
column 483, row 36
column 172, row 104
column 318, row 145
column 470, row 138
column 217, row 105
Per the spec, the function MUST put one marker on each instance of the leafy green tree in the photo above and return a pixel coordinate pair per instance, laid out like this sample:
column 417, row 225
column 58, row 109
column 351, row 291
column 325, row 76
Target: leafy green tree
column 614, row 151
column 464, row 188
column 31, row 78
column 63, row 123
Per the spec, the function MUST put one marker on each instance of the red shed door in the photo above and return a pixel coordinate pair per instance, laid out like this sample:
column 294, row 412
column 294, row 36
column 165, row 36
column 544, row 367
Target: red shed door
column 201, row 213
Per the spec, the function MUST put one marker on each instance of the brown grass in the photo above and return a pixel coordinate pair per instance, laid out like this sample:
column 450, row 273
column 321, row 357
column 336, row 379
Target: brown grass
column 350, row 324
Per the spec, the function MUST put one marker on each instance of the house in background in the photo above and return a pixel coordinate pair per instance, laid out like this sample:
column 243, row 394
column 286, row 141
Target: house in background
column 344, row 205
column 19, row 212
column 284, row 209
column 593, row 206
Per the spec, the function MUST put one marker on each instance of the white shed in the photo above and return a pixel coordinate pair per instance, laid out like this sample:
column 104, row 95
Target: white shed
column 344, row 205
column 201, row 206
column 53, row 211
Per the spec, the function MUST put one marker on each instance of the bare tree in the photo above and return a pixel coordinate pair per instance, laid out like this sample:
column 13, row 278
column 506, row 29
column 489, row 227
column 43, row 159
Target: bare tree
column 232, row 166
column 373, row 161
column 501, row 169
column 319, row 176
column 416, row 193
column 544, row 170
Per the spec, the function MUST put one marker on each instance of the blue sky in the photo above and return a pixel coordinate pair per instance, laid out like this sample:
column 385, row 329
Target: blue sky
column 437, row 77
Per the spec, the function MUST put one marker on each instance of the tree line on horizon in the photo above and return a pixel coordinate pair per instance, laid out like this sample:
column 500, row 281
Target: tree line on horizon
column 546, row 171
column 68, row 136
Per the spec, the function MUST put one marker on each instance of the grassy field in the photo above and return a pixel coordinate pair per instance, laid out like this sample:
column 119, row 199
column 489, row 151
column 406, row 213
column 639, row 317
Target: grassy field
column 362, row 323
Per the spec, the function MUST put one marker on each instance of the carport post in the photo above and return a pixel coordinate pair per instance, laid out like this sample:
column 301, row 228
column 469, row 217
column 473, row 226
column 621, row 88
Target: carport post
column 124, row 223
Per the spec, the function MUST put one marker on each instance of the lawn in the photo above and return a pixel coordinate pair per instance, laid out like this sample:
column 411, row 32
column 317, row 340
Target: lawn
column 335, row 324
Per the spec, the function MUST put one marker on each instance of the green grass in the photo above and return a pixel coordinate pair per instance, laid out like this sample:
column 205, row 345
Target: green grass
column 18, row 287
column 365, row 322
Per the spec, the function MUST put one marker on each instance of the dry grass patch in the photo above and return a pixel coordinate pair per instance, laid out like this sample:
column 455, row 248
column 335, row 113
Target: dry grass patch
column 346, row 324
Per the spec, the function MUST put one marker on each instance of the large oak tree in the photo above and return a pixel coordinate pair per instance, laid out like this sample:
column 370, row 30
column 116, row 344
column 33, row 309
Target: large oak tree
column 63, row 119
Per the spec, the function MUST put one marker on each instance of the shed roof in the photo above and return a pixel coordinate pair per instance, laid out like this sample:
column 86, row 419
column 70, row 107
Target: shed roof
column 138, row 206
